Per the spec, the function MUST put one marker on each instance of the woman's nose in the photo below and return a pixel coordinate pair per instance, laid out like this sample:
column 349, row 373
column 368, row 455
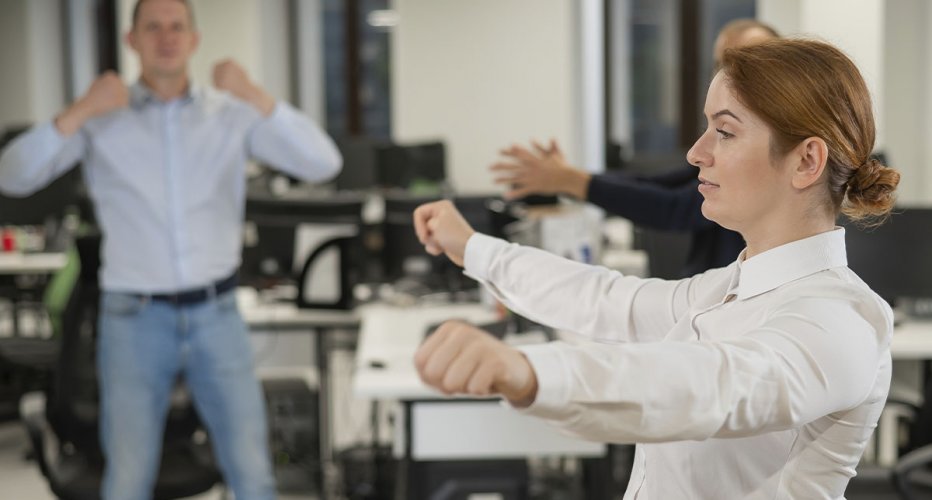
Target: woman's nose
column 697, row 155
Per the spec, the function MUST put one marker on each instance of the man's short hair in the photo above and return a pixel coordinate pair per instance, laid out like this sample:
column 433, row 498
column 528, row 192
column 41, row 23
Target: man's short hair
column 739, row 26
column 186, row 3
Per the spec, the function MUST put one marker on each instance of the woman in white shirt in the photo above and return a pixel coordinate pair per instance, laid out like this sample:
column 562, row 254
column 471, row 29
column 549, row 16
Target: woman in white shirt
column 763, row 379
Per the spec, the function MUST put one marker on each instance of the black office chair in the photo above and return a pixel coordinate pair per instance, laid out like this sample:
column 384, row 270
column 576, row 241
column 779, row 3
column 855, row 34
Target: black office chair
column 25, row 361
column 64, row 433
column 912, row 474
column 24, row 366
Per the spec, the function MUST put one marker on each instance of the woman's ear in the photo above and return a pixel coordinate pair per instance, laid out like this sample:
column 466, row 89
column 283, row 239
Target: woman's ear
column 812, row 154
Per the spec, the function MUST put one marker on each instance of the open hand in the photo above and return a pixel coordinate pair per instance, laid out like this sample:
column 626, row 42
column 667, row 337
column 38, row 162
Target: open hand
column 541, row 169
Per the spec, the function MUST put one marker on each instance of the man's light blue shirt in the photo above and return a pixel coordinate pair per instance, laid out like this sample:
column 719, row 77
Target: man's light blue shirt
column 168, row 180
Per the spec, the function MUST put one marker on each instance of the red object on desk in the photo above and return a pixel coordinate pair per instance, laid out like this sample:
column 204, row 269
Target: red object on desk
column 9, row 240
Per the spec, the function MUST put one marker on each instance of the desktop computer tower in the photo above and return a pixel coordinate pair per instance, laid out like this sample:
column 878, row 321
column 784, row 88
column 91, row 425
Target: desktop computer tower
column 294, row 440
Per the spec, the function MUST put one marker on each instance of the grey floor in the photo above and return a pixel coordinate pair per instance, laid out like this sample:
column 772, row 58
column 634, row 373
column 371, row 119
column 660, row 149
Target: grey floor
column 20, row 477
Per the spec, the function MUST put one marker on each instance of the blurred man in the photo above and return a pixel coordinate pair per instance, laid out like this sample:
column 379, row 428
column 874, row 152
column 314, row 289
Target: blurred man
column 164, row 161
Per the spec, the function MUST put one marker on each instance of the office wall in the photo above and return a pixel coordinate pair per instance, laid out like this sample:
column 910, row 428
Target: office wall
column 481, row 74
column 32, row 86
column 784, row 15
column 14, row 86
column 924, row 105
column 906, row 96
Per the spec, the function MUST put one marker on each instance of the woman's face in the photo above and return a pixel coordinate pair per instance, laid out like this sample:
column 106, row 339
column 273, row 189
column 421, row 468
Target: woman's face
column 742, row 186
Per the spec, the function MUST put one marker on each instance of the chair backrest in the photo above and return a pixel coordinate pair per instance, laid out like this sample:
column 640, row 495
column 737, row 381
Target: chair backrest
column 71, row 405
column 359, row 164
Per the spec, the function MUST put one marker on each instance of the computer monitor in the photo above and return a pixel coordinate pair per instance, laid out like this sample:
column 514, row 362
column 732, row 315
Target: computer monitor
column 403, row 165
column 404, row 256
column 49, row 202
column 894, row 258
column 276, row 254
column 402, row 253
column 359, row 164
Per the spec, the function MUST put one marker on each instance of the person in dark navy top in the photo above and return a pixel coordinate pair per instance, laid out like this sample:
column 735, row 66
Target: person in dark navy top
column 667, row 201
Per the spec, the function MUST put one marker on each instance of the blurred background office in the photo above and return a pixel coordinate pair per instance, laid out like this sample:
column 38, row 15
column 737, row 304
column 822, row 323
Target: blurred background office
column 421, row 94
column 629, row 71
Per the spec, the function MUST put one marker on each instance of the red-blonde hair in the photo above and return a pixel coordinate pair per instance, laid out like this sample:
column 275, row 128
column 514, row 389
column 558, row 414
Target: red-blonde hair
column 806, row 88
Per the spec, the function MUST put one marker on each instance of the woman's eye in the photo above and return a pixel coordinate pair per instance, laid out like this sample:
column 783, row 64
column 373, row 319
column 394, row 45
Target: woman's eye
column 723, row 134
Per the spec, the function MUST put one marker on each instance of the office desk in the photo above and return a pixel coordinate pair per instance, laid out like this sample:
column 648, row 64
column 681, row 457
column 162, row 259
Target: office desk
column 12, row 263
column 434, row 427
column 389, row 337
column 279, row 316
column 912, row 339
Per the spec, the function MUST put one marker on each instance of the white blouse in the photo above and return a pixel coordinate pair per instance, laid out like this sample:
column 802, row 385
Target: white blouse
column 760, row 380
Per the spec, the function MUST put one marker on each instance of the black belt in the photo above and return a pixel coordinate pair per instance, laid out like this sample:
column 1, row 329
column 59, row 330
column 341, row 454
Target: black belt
column 198, row 295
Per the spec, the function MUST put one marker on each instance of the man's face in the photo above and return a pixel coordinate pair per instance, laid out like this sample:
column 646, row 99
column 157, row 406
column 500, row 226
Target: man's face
column 164, row 37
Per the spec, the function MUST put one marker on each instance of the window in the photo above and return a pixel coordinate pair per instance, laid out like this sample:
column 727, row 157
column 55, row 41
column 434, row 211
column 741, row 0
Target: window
column 357, row 67
column 659, row 65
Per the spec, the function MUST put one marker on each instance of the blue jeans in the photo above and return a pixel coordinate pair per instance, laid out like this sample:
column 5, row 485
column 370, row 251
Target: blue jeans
column 143, row 346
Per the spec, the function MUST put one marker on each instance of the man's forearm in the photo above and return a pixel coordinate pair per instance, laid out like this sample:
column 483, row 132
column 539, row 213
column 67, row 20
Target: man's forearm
column 72, row 119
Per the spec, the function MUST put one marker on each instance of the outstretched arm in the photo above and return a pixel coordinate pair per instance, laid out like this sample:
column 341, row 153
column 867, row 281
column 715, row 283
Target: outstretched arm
column 590, row 300
column 778, row 376
column 669, row 201
column 781, row 375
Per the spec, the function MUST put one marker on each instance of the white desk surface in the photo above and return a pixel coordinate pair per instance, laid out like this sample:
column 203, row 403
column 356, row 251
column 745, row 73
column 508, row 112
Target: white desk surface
column 912, row 339
column 485, row 429
column 29, row 263
column 389, row 335
column 286, row 315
